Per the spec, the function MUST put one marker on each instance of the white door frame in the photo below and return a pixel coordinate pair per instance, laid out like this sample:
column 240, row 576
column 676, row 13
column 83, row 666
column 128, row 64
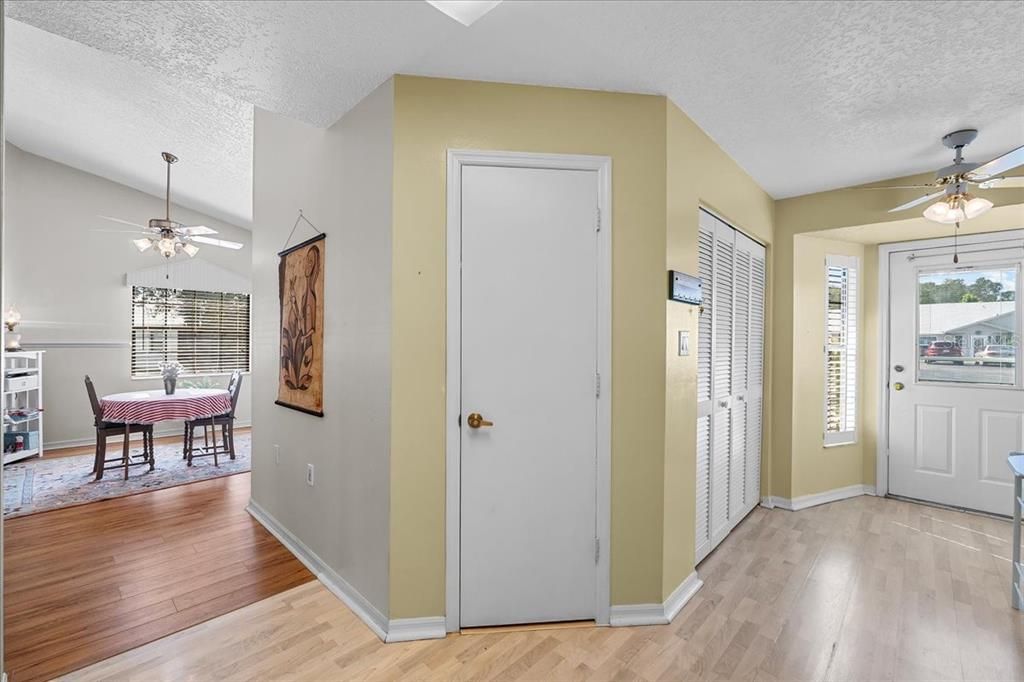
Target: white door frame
column 457, row 160
column 1011, row 237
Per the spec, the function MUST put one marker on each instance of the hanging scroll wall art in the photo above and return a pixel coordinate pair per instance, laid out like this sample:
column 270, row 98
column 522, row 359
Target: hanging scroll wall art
column 301, row 292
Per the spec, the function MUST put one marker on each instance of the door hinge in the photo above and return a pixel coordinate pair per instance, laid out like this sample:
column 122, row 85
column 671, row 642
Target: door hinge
column 597, row 550
column 598, row 218
column 460, row 421
column 597, row 385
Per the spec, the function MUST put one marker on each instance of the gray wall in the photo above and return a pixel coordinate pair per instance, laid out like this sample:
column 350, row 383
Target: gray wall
column 68, row 282
column 341, row 179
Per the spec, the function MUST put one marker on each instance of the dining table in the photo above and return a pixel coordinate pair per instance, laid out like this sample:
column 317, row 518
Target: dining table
column 150, row 407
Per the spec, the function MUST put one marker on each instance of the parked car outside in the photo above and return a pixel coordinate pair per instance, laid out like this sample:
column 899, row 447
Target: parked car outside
column 942, row 351
column 996, row 354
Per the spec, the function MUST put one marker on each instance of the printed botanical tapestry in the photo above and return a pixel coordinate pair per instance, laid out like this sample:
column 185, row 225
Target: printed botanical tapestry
column 301, row 288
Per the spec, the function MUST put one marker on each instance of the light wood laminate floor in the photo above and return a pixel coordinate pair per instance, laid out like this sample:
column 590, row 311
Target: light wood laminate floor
column 863, row 589
column 84, row 583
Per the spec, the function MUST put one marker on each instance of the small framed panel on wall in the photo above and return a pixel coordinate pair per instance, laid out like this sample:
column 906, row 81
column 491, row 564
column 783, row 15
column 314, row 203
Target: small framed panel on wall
column 301, row 291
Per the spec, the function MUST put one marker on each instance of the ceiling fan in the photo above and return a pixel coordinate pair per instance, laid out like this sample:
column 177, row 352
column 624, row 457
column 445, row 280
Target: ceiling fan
column 169, row 238
column 952, row 182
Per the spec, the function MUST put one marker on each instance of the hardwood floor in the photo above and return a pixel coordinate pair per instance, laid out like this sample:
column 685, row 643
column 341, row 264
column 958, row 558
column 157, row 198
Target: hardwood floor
column 85, row 583
column 864, row 589
column 113, row 444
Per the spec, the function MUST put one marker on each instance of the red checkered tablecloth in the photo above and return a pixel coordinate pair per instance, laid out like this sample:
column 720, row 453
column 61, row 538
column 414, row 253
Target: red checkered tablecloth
column 149, row 407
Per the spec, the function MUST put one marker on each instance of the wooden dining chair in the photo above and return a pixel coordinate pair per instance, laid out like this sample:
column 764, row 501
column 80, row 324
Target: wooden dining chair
column 226, row 422
column 105, row 430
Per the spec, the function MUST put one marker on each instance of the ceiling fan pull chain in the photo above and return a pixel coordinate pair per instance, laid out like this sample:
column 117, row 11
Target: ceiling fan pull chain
column 956, row 232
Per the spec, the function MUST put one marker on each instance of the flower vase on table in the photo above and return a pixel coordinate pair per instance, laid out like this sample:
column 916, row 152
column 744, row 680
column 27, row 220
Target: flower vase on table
column 170, row 371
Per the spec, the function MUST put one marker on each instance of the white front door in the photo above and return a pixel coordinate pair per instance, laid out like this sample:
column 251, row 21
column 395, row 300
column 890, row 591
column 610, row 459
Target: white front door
column 954, row 412
column 529, row 363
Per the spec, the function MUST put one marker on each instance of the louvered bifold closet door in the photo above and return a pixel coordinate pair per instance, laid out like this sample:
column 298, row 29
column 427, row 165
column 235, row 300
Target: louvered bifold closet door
column 723, row 305
column 755, row 376
column 730, row 367
column 740, row 365
column 705, row 268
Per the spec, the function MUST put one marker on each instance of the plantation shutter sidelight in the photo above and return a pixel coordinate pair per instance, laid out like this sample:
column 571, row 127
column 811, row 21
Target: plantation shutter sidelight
column 840, row 350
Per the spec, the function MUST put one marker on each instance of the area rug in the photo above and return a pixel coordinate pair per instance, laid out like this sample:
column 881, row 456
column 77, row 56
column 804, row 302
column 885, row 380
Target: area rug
column 38, row 485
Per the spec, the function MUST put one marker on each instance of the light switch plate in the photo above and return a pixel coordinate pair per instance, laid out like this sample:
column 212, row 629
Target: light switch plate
column 684, row 342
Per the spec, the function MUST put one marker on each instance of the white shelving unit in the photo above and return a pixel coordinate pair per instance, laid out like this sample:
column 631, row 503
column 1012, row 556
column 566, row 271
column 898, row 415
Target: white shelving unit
column 23, row 404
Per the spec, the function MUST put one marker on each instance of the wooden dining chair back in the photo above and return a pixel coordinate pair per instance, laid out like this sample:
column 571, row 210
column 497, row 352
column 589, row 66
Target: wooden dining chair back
column 105, row 430
column 211, row 447
column 97, row 409
column 234, row 389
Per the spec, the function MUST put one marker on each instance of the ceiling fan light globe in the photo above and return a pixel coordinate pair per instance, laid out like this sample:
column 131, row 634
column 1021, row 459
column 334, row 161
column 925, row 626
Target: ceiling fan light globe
column 942, row 212
column 190, row 250
column 166, row 247
column 937, row 212
column 143, row 244
column 976, row 206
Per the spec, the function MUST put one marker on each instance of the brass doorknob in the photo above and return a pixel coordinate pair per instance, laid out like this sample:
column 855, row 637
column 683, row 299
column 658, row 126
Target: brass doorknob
column 476, row 420
column 898, row 386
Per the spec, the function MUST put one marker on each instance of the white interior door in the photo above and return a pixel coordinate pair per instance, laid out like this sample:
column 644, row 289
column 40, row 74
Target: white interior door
column 730, row 364
column 529, row 363
column 955, row 411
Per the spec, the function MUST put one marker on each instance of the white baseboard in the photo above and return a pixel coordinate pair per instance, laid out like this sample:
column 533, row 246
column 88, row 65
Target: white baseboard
column 157, row 433
column 355, row 601
column 805, row 501
column 657, row 614
column 409, row 629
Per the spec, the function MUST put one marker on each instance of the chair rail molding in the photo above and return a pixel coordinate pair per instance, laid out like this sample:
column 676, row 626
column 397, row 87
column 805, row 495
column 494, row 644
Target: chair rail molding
column 100, row 343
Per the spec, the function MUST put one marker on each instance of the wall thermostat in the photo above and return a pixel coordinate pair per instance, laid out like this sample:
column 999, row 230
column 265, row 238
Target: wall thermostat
column 684, row 288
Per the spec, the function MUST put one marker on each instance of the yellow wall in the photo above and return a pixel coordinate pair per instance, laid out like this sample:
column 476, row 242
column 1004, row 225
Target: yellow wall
column 431, row 116
column 817, row 468
column 663, row 168
column 847, row 221
column 698, row 174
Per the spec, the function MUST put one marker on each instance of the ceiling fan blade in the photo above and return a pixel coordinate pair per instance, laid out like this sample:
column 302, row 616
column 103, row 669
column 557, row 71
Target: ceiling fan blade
column 1002, row 183
column 918, row 201
column 123, row 222
column 218, row 242
column 932, row 186
column 97, row 229
column 998, row 165
column 194, row 230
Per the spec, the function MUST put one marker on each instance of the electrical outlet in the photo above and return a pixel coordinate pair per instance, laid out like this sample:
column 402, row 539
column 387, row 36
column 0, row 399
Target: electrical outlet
column 277, row 454
column 309, row 475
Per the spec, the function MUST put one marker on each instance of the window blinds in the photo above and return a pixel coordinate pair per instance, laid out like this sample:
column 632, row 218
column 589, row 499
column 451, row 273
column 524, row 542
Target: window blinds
column 207, row 332
column 840, row 350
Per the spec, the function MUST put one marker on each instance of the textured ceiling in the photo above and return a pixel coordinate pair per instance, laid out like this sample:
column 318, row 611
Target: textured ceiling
column 804, row 96
column 108, row 116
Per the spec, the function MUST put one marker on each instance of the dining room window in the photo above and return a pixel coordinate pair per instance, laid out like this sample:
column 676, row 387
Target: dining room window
column 206, row 331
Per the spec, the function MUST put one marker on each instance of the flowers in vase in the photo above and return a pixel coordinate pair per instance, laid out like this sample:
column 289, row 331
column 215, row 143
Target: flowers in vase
column 171, row 369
